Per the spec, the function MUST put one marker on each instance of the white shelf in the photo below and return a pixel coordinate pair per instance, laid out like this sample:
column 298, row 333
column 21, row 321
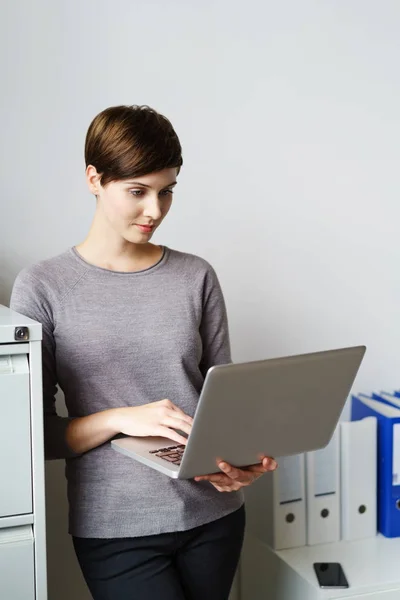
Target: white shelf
column 372, row 567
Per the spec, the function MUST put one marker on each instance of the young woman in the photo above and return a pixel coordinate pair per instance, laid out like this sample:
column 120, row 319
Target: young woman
column 129, row 331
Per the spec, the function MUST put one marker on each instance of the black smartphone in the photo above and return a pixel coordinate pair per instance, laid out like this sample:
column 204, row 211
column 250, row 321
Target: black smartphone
column 330, row 575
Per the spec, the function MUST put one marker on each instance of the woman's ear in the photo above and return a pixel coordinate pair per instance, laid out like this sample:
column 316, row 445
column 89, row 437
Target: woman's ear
column 93, row 179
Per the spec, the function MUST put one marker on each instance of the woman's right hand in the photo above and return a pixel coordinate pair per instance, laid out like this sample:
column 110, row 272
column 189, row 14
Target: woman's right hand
column 160, row 418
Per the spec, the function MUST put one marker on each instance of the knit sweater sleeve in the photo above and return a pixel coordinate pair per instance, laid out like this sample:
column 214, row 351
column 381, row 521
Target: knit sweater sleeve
column 30, row 298
column 214, row 329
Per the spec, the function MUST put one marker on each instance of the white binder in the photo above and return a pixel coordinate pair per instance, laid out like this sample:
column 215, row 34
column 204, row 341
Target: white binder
column 275, row 505
column 358, row 460
column 289, row 506
column 323, row 493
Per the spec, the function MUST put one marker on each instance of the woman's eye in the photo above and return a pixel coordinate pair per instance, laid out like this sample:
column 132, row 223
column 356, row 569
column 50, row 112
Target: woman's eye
column 139, row 193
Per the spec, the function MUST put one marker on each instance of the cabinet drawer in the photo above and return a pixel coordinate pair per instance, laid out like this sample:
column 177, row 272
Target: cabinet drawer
column 17, row 580
column 15, row 436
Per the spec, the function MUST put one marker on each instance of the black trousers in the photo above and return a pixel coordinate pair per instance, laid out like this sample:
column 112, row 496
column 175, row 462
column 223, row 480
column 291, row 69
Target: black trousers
column 198, row 564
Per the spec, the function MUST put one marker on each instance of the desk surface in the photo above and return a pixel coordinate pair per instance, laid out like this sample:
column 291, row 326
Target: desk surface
column 370, row 565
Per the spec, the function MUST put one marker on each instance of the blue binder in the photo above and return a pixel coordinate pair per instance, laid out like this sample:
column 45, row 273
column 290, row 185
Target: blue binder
column 386, row 398
column 388, row 459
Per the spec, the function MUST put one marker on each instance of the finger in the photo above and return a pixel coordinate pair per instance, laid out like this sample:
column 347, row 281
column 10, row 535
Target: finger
column 183, row 415
column 232, row 472
column 227, row 483
column 219, row 488
column 217, row 478
column 224, row 479
column 234, row 487
column 176, row 423
column 271, row 464
column 170, row 434
column 243, row 477
column 267, row 464
column 258, row 469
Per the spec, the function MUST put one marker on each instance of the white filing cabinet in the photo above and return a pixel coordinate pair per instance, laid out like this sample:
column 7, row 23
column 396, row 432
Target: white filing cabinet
column 22, row 504
column 372, row 567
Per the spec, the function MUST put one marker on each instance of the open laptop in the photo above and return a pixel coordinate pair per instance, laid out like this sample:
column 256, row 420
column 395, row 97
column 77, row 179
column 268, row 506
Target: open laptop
column 274, row 407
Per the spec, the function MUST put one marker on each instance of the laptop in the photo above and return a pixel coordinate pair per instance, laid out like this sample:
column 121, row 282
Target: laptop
column 275, row 407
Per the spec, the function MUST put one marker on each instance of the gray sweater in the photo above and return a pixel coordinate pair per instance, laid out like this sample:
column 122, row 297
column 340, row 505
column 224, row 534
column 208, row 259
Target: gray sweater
column 114, row 339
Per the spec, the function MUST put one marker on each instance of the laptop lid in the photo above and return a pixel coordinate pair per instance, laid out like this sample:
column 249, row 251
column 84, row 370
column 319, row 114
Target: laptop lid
column 276, row 407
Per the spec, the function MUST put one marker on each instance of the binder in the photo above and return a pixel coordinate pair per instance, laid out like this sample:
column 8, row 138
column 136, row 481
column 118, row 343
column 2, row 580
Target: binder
column 323, row 493
column 388, row 459
column 289, row 502
column 276, row 505
column 358, row 468
column 386, row 398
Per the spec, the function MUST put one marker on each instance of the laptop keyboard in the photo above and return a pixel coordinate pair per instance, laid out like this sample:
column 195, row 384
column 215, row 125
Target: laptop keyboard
column 172, row 454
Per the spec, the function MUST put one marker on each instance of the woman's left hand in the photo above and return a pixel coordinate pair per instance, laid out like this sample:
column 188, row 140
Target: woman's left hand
column 232, row 478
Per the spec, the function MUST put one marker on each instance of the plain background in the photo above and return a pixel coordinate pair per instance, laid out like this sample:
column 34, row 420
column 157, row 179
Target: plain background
column 288, row 113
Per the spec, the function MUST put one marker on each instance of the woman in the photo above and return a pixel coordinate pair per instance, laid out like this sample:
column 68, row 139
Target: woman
column 129, row 331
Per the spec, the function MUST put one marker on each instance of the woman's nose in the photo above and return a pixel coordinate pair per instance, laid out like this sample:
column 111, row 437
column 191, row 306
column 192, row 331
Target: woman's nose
column 152, row 208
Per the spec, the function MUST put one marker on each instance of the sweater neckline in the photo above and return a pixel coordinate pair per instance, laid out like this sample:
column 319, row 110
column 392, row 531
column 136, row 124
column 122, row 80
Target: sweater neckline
column 150, row 269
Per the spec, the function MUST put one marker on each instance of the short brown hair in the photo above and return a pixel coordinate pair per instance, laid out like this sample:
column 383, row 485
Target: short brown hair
column 130, row 141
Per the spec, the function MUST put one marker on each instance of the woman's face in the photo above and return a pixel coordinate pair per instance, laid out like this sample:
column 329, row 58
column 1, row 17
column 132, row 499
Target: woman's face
column 134, row 208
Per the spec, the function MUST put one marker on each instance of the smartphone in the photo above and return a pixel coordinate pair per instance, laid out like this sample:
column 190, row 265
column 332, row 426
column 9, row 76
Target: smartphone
column 330, row 575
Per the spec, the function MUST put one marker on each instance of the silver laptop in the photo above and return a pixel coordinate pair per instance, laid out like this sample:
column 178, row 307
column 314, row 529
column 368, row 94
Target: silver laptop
column 274, row 407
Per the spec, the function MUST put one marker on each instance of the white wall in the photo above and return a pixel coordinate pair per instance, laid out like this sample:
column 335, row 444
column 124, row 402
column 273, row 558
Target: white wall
column 288, row 113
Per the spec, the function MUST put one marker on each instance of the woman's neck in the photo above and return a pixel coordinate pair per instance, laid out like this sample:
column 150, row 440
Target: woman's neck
column 119, row 255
